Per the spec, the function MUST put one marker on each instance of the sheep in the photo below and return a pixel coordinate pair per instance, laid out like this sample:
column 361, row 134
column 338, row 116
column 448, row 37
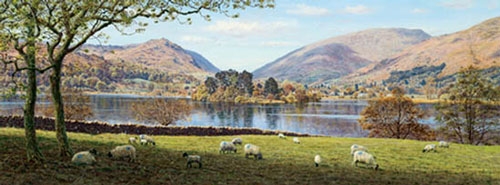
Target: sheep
column 85, row 157
column 317, row 160
column 132, row 140
column 444, row 144
column 192, row 159
column 237, row 141
column 148, row 139
column 355, row 148
column 281, row 136
column 429, row 147
column 366, row 158
column 254, row 150
column 226, row 146
column 123, row 152
column 296, row 140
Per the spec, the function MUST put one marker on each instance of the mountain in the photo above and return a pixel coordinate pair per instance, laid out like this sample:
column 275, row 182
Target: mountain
column 478, row 46
column 159, row 54
column 339, row 56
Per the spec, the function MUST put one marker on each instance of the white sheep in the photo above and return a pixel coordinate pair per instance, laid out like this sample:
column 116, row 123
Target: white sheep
column 355, row 148
column 226, row 146
column 84, row 157
column 444, row 144
column 429, row 147
column 148, row 139
column 132, row 140
column 124, row 151
column 237, row 141
column 254, row 150
column 192, row 159
column 296, row 140
column 317, row 160
column 366, row 158
column 281, row 136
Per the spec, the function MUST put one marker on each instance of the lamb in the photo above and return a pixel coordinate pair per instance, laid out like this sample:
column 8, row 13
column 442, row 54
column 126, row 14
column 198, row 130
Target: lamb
column 296, row 140
column 366, row 158
column 192, row 159
column 355, row 148
column 237, row 141
column 148, row 139
column 444, row 144
column 132, row 140
column 226, row 146
column 429, row 147
column 124, row 151
column 85, row 157
column 281, row 136
column 317, row 160
column 254, row 150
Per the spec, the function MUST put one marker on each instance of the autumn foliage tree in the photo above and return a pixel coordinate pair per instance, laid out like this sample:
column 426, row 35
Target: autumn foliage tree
column 395, row 116
column 161, row 111
column 469, row 115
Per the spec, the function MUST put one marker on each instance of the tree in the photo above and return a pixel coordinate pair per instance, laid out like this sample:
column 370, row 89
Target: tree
column 469, row 113
column 395, row 116
column 271, row 87
column 161, row 111
column 64, row 26
column 76, row 105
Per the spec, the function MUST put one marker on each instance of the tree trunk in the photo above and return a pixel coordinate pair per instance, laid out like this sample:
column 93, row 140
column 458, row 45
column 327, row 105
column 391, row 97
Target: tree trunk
column 33, row 152
column 60, row 125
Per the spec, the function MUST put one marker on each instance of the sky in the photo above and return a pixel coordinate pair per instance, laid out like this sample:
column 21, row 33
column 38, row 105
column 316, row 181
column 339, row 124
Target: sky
column 260, row 36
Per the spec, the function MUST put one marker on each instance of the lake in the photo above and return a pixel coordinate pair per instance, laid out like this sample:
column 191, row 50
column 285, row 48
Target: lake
column 330, row 118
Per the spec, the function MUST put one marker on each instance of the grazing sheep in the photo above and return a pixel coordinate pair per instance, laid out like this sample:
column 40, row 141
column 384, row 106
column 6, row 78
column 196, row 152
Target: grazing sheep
column 237, row 141
column 281, row 136
column 252, row 150
column 84, row 157
column 429, row 147
column 192, row 159
column 366, row 158
column 226, row 146
column 355, row 148
column 124, row 151
column 444, row 144
column 296, row 140
column 317, row 160
column 132, row 140
column 148, row 139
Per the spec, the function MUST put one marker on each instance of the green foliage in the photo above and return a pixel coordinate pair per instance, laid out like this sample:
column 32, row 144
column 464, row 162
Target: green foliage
column 395, row 116
column 470, row 114
column 401, row 162
column 271, row 87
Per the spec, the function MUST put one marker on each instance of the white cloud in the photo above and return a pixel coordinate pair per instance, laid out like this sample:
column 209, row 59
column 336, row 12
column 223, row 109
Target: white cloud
column 302, row 9
column 359, row 9
column 278, row 43
column 458, row 4
column 418, row 11
column 194, row 39
column 248, row 28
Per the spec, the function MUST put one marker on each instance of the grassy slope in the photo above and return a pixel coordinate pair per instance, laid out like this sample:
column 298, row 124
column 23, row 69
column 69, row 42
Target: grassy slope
column 401, row 161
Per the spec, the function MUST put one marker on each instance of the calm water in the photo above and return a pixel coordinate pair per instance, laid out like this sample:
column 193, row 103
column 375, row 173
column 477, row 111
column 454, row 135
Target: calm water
column 332, row 118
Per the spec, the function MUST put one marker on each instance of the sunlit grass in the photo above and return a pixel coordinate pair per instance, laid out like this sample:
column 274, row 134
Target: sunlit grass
column 401, row 161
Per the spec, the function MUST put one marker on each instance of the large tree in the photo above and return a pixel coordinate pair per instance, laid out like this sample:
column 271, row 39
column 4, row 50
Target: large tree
column 64, row 26
column 469, row 114
column 394, row 116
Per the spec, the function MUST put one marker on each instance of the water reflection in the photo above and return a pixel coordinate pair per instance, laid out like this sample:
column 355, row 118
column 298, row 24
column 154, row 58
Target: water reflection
column 332, row 118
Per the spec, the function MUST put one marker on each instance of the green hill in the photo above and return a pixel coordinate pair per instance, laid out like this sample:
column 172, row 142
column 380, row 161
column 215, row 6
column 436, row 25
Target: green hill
column 401, row 162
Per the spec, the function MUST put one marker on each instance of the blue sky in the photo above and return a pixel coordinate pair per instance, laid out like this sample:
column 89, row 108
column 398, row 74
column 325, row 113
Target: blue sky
column 260, row 36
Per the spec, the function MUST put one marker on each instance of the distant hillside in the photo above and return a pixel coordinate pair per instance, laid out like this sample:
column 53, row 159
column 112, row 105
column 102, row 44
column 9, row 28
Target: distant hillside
column 339, row 56
column 478, row 46
column 159, row 54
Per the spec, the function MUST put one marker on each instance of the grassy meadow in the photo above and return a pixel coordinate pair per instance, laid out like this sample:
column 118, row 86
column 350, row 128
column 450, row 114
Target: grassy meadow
column 401, row 161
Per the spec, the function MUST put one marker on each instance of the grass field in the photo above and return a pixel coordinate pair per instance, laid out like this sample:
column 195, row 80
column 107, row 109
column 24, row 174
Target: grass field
column 401, row 162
